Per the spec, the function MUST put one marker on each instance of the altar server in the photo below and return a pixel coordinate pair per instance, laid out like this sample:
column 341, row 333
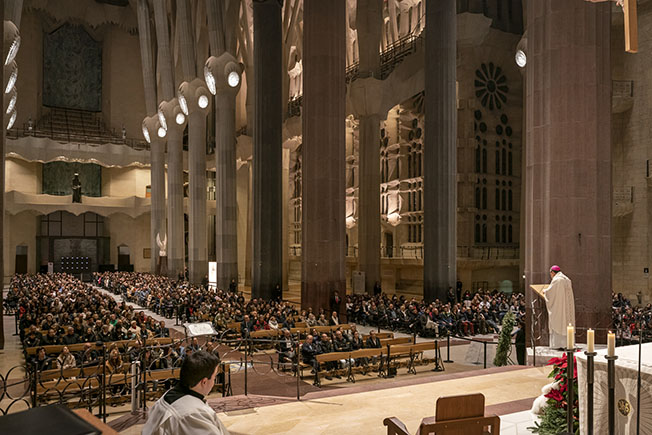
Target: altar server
column 183, row 410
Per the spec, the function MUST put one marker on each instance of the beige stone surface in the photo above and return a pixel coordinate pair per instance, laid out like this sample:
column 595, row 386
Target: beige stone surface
column 363, row 413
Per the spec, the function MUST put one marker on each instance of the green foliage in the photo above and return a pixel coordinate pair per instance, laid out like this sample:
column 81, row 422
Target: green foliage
column 553, row 419
column 505, row 340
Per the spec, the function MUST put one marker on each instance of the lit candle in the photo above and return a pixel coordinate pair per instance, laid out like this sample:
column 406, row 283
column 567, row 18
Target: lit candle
column 590, row 340
column 570, row 337
column 611, row 344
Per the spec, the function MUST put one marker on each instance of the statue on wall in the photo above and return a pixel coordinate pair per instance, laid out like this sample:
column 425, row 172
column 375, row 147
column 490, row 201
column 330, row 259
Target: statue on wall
column 76, row 189
column 162, row 263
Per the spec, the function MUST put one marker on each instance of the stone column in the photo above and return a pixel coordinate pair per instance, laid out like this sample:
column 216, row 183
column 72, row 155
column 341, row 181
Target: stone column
column 175, row 240
column 440, row 156
column 267, row 257
column 323, row 162
column 369, row 198
column 568, row 184
column 197, row 242
column 157, row 157
column 226, row 224
column 3, row 241
column 366, row 97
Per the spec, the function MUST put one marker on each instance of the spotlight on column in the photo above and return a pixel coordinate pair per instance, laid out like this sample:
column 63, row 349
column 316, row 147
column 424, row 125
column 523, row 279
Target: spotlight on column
column 12, row 119
column 161, row 118
column 11, row 41
column 151, row 126
column 222, row 73
column 148, row 138
column 10, row 101
column 169, row 113
column 521, row 52
column 11, row 75
column 193, row 95
column 183, row 104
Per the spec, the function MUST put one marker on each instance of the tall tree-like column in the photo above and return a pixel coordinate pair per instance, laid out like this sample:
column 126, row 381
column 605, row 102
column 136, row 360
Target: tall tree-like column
column 157, row 156
column 267, row 258
column 366, row 96
column 175, row 124
column 568, row 168
column 197, row 242
column 440, row 156
column 324, row 164
column 226, row 88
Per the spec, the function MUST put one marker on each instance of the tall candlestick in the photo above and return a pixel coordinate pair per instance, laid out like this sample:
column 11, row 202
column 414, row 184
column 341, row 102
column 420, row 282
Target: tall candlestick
column 611, row 344
column 570, row 337
column 590, row 340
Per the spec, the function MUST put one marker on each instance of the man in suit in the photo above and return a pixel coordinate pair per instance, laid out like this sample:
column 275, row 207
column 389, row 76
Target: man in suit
column 373, row 341
column 309, row 350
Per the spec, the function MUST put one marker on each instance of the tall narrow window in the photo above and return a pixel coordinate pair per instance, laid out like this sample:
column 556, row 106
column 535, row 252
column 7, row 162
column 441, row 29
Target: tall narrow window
column 497, row 162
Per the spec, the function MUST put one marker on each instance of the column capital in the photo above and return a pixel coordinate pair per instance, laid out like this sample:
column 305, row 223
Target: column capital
column 367, row 97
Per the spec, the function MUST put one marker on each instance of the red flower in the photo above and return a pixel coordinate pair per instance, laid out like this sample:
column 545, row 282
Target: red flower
column 555, row 395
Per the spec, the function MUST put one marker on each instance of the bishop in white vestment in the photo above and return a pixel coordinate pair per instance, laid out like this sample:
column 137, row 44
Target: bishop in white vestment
column 561, row 307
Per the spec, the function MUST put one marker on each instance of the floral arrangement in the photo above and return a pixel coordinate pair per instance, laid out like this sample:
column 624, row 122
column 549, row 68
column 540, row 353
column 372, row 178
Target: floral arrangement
column 505, row 340
column 552, row 405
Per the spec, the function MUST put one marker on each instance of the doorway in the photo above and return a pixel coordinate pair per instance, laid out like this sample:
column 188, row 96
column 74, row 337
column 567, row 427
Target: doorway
column 21, row 259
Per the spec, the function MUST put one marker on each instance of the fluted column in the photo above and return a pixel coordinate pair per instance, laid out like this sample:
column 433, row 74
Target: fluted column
column 568, row 167
column 226, row 222
column 323, row 158
column 369, row 199
column 197, row 241
column 267, row 261
column 157, row 157
column 440, row 156
column 175, row 240
column 366, row 96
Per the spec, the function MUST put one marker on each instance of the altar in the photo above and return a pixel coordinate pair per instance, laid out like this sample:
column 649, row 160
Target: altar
column 625, row 392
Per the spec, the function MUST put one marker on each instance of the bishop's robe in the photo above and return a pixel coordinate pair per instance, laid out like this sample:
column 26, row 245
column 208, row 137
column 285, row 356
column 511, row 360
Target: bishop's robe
column 560, row 303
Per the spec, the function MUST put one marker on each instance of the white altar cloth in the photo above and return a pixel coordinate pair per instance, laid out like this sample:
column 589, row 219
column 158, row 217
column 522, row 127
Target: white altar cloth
column 625, row 391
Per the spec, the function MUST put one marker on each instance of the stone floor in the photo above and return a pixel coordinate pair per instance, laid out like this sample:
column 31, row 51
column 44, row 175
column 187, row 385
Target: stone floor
column 359, row 410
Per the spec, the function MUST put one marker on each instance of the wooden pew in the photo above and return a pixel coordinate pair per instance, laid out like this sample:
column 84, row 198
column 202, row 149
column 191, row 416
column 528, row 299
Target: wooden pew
column 350, row 370
column 380, row 335
column 395, row 341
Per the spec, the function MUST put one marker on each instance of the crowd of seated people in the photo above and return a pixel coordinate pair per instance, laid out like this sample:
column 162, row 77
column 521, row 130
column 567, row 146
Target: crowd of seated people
column 477, row 313
column 58, row 309
column 340, row 340
column 629, row 319
column 193, row 303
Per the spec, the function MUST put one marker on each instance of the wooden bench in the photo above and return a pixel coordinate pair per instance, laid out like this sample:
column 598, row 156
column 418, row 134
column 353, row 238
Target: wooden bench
column 380, row 335
column 410, row 354
column 349, row 355
column 56, row 349
column 75, row 372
